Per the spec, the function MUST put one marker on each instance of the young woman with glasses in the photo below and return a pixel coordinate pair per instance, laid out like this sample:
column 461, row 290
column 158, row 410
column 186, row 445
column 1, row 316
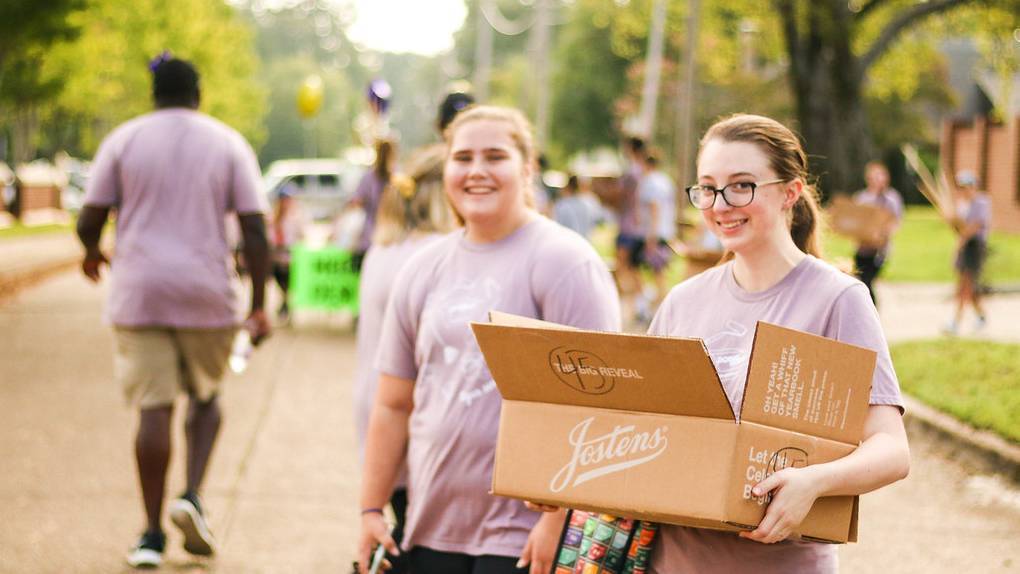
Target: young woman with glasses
column 753, row 194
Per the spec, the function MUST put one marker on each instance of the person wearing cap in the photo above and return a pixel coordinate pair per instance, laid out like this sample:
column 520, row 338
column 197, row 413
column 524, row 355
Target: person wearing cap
column 869, row 259
column 974, row 213
column 173, row 176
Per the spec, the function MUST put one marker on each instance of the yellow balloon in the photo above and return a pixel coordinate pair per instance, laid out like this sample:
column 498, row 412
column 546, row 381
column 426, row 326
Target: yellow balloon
column 309, row 97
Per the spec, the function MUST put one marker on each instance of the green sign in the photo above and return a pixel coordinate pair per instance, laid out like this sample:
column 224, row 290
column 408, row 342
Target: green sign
column 323, row 279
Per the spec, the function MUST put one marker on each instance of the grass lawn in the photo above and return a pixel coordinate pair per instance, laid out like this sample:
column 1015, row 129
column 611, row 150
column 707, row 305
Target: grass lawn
column 18, row 230
column 924, row 249
column 977, row 382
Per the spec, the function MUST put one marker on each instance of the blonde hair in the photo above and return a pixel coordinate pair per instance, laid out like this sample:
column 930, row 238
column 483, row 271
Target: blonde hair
column 520, row 133
column 415, row 202
column 788, row 159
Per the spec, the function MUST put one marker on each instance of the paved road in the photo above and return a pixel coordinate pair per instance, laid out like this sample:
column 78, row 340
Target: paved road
column 282, row 487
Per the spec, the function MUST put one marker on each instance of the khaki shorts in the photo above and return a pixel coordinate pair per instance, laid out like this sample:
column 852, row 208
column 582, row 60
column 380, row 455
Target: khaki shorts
column 154, row 365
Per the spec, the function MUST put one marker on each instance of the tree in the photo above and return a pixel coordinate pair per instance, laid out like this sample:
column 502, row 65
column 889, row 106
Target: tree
column 27, row 30
column 832, row 47
column 28, row 25
column 105, row 73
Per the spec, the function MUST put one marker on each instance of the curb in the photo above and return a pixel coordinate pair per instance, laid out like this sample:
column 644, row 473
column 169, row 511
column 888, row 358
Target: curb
column 978, row 450
column 12, row 282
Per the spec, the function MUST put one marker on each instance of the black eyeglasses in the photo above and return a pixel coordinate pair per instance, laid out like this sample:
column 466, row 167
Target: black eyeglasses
column 736, row 194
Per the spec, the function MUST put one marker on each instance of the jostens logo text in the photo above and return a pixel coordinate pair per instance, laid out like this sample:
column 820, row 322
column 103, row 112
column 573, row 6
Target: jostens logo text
column 620, row 449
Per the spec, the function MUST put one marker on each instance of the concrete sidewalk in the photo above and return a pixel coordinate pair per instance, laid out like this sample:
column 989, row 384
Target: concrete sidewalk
column 24, row 260
column 912, row 311
column 281, row 490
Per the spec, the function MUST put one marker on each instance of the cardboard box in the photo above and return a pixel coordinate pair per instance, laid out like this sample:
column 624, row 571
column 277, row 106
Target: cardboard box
column 640, row 426
column 867, row 224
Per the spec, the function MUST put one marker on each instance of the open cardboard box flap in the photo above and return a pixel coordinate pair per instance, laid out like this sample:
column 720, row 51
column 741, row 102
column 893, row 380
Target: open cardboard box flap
column 786, row 365
column 537, row 361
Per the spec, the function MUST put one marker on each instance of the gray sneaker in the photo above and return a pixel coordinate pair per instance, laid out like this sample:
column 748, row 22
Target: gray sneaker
column 186, row 514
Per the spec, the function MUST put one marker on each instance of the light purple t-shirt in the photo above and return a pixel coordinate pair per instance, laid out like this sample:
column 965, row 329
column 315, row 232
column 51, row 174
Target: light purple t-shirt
column 541, row 270
column 629, row 224
column 378, row 272
column 369, row 192
column 655, row 188
column 814, row 297
column 173, row 175
column 979, row 211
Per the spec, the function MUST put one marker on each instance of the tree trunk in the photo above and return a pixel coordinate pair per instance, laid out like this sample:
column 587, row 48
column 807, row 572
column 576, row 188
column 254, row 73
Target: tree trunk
column 26, row 130
column 828, row 90
column 835, row 131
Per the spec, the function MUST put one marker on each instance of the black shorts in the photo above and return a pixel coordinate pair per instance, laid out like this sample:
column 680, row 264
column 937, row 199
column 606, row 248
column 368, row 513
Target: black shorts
column 634, row 245
column 423, row 560
column 971, row 258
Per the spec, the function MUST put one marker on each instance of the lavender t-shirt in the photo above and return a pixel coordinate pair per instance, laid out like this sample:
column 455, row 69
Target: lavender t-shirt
column 541, row 270
column 629, row 224
column 814, row 297
column 378, row 273
column 173, row 175
column 979, row 211
column 369, row 193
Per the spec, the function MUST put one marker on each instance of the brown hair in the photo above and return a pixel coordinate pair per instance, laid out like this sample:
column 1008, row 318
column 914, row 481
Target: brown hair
column 788, row 160
column 520, row 133
column 414, row 203
column 384, row 150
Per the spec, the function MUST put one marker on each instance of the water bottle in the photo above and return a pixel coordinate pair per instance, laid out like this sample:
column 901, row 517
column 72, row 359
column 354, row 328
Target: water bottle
column 241, row 351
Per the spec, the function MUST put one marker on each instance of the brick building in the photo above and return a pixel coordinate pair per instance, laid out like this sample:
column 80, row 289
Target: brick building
column 992, row 151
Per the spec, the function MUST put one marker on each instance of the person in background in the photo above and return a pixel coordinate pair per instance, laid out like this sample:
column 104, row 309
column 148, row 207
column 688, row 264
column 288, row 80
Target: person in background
column 173, row 175
column 368, row 193
column 972, row 249
column 657, row 214
column 286, row 230
column 868, row 259
column 629, row 238
column 578, row 210
column 543, row 195
column 437, row 404
column 413, row 214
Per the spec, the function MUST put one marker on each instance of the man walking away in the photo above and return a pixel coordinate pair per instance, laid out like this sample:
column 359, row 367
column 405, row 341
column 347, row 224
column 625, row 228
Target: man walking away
column 172, row 176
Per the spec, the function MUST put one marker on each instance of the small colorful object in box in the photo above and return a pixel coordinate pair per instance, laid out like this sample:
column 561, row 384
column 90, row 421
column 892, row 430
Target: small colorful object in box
column 603, row 544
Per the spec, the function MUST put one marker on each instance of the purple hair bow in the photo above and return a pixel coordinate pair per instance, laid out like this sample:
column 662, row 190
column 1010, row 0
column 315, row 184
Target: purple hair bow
column 154, row 63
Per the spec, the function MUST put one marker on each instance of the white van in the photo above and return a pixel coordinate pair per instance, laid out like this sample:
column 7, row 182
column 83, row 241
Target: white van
column 321, row 186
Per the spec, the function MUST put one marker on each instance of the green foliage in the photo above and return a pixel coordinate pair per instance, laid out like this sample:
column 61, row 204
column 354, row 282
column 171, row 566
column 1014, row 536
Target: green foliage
column 288, row 133
column 19, row 230
column 503, row 47
column 591, row 77
column 105, row 78
column 29, row 25
column 293, row 42
column 975, row 381
column 600, row 53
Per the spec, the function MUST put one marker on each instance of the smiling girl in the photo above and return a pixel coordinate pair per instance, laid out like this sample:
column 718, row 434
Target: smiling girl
column 437, row 401
column 753, row 194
